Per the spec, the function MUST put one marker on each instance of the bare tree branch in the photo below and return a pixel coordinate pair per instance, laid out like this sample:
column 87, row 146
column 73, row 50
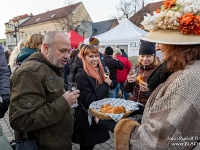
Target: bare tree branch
column 73, row 18
column 127, row 8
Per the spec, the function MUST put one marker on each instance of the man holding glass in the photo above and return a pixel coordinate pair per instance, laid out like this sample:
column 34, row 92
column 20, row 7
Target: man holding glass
column 40, row 106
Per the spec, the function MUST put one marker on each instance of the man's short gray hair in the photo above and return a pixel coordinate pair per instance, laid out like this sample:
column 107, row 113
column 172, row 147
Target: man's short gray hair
column 49, row 37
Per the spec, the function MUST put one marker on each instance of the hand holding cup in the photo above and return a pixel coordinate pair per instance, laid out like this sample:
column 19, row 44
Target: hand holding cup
column 72, row 94
column 132, row 76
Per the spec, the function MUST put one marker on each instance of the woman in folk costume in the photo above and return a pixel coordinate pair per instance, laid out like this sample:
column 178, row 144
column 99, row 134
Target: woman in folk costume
column 93, row 86
column 172, row 114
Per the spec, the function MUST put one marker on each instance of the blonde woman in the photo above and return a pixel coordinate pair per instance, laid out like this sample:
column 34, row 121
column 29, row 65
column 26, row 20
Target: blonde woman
column 93, row 86
column 147, row 62
column 15, row 53
column 32, row 44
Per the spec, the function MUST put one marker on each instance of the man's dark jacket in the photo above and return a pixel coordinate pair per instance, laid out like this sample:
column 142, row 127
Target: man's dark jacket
column 37, row 106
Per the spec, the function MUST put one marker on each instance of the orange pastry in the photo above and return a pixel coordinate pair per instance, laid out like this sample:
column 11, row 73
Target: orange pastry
column 105, row 105
column 140, row 79
column 119, row 110
column 107, row 108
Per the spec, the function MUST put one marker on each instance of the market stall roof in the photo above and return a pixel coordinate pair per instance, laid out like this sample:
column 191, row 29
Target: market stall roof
column 121, row 34
column 75, row 38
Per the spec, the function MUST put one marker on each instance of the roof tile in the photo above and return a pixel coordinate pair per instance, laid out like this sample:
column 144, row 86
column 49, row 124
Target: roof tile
column 50, row 15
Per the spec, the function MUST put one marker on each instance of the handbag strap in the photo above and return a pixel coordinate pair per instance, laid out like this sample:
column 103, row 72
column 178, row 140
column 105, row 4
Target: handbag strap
column 85, row 110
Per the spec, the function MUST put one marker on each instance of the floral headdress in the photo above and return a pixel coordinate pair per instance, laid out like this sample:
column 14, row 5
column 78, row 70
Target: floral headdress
column 183, row 15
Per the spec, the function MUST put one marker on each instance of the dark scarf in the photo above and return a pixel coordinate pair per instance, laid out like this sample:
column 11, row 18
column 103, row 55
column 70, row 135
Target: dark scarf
column 158, row 76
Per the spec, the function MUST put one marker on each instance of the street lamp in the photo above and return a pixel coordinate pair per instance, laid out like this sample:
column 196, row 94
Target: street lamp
column 15, row 30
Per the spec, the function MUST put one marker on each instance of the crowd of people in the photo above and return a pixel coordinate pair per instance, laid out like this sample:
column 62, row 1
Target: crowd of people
column 35, row 107
column 166, row 91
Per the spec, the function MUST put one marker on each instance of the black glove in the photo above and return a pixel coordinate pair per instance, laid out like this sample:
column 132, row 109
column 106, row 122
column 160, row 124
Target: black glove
column 3, row 107
column 107, row 124
column 140, row 111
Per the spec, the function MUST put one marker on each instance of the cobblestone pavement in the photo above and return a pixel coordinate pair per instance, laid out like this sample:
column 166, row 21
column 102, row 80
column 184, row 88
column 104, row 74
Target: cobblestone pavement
column 9, row 134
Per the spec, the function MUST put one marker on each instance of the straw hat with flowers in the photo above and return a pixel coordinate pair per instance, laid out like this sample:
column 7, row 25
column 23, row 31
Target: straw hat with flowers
column 177, row 22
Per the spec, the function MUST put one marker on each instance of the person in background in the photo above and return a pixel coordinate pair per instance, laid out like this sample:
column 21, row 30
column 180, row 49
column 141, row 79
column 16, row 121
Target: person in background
column 147, row 62
column 7, row 54
column 40, row 105
column 80, row 45
column 113, row 65
column 32, row 45
column 14, row 54
column 66, row 71
column 4, row 84
column 93, row 86
column 73, row 54
column 123, row 53
column 122, row 74
column 95, row 41
column 1, row 46
column 72, row 74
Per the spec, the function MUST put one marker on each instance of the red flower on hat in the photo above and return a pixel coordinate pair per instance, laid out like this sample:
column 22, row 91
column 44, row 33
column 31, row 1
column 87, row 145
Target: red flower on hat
column 197, row 25
column 158, row 11
column 189, row 23
column 169, row 3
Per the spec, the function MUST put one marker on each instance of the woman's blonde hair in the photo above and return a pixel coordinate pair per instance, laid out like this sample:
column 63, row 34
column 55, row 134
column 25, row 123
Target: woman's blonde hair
column 117, row 51
column 34, row 40
column 89, row 69
column 156, row 62
column 15, row 53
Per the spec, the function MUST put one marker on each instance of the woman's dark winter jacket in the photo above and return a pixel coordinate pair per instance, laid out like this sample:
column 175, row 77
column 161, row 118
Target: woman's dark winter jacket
column 89, row 92
column 71, row 74
column 66, row 71
column 25, row 53
column 139, row 95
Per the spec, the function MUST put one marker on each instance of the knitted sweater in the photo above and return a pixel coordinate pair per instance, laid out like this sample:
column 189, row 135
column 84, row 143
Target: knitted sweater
column 171, row 118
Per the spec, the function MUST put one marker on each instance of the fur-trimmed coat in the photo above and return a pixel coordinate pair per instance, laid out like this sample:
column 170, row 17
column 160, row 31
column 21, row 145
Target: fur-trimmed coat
column 171, row 119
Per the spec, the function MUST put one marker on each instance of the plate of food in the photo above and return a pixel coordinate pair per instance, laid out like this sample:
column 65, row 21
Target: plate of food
column 113, row 108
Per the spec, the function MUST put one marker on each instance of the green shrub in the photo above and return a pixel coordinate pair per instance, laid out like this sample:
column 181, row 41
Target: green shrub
column 134, row 60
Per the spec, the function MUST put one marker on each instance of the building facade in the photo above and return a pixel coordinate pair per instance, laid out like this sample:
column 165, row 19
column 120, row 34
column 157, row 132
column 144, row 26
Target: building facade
column 12, row 30
column 62, row 19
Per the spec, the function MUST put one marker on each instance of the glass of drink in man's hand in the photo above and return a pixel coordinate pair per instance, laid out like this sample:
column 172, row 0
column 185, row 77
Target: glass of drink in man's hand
column 72, row 87
column 106, row 72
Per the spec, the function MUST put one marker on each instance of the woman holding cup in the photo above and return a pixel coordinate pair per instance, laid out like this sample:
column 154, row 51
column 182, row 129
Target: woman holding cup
column 93, row 86
column 147, row 62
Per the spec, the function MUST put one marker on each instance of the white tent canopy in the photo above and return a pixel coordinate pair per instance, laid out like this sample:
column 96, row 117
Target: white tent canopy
column 120, row 35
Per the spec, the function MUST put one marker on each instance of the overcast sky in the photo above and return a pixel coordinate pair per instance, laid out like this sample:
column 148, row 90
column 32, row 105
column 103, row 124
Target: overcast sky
column 99, row 10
